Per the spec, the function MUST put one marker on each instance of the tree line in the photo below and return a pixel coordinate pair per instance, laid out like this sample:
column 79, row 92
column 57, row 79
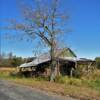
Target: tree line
column 10, row 60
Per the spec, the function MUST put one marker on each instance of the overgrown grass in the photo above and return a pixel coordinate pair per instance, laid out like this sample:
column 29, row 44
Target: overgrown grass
column 67, row 80
column 85, row 87
column 95, row 84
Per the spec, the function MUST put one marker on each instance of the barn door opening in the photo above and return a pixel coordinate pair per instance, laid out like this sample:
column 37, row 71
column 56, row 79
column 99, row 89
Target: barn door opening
column 66, row 68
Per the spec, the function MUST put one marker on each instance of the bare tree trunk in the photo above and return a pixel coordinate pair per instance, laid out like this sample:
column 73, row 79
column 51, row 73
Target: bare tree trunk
column 53, row 64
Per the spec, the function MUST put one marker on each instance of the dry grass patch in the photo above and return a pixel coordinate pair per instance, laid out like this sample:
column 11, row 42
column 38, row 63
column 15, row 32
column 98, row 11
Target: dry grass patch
column 62, row 89
column 7, row 69
column 82, row 92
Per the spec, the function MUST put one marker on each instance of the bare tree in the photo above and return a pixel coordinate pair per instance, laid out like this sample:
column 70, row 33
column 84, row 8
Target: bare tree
column 45, row 22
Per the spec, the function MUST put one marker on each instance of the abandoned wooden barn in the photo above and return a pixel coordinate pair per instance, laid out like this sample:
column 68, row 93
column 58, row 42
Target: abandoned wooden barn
column 66, row 63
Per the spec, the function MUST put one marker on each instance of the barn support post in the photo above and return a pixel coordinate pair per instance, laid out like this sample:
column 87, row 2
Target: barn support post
column 71, row 72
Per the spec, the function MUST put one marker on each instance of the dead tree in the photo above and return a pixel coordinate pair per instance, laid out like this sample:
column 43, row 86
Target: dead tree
column 44, row 22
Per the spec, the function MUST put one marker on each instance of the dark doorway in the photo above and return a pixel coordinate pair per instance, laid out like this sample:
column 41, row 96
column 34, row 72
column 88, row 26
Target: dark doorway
column 66, row 67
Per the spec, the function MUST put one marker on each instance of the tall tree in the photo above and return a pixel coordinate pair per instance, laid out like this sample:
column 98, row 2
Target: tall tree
column 44, row 21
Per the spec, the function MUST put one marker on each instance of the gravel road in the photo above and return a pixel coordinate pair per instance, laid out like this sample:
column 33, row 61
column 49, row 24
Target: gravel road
column 11, row 91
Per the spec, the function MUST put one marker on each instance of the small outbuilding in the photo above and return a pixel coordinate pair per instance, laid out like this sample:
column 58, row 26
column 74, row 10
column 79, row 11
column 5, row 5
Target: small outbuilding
column 66, row 60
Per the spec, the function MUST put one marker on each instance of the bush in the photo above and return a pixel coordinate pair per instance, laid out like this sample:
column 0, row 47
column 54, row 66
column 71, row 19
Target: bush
column 68, row 80
column 42, row 78
column 78, row 73
column 75, row 81
column 61, row 79
column 16, row 74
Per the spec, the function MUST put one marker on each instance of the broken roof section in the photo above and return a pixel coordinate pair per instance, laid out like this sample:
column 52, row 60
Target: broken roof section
column 65, row 53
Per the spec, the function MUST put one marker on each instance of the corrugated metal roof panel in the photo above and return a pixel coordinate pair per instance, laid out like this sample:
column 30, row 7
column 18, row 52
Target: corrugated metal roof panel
column 40, row 59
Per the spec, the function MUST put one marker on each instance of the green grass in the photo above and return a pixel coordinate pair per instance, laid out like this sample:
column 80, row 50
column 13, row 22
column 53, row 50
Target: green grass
column 95, row 84
column 4, row 75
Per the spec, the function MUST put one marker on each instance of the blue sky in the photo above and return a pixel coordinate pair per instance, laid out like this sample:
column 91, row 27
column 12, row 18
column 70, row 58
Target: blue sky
column 84, row 21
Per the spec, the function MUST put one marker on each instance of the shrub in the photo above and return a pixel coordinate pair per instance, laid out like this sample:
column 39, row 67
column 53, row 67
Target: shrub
column 68, row 80
column 42, row 78
column 61, row 79
column 78, row 73
column 97, row 59
column 16, row 74
column 75, row 81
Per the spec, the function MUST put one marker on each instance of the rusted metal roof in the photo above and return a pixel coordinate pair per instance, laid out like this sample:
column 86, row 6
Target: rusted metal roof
column 46, row 57
column 41, row 59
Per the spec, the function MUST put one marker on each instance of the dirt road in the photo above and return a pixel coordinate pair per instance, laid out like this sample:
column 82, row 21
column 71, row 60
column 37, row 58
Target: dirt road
column 11, row 91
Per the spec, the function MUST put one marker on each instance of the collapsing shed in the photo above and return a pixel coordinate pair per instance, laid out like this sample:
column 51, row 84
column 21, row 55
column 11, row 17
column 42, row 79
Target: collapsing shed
column 65, row 60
